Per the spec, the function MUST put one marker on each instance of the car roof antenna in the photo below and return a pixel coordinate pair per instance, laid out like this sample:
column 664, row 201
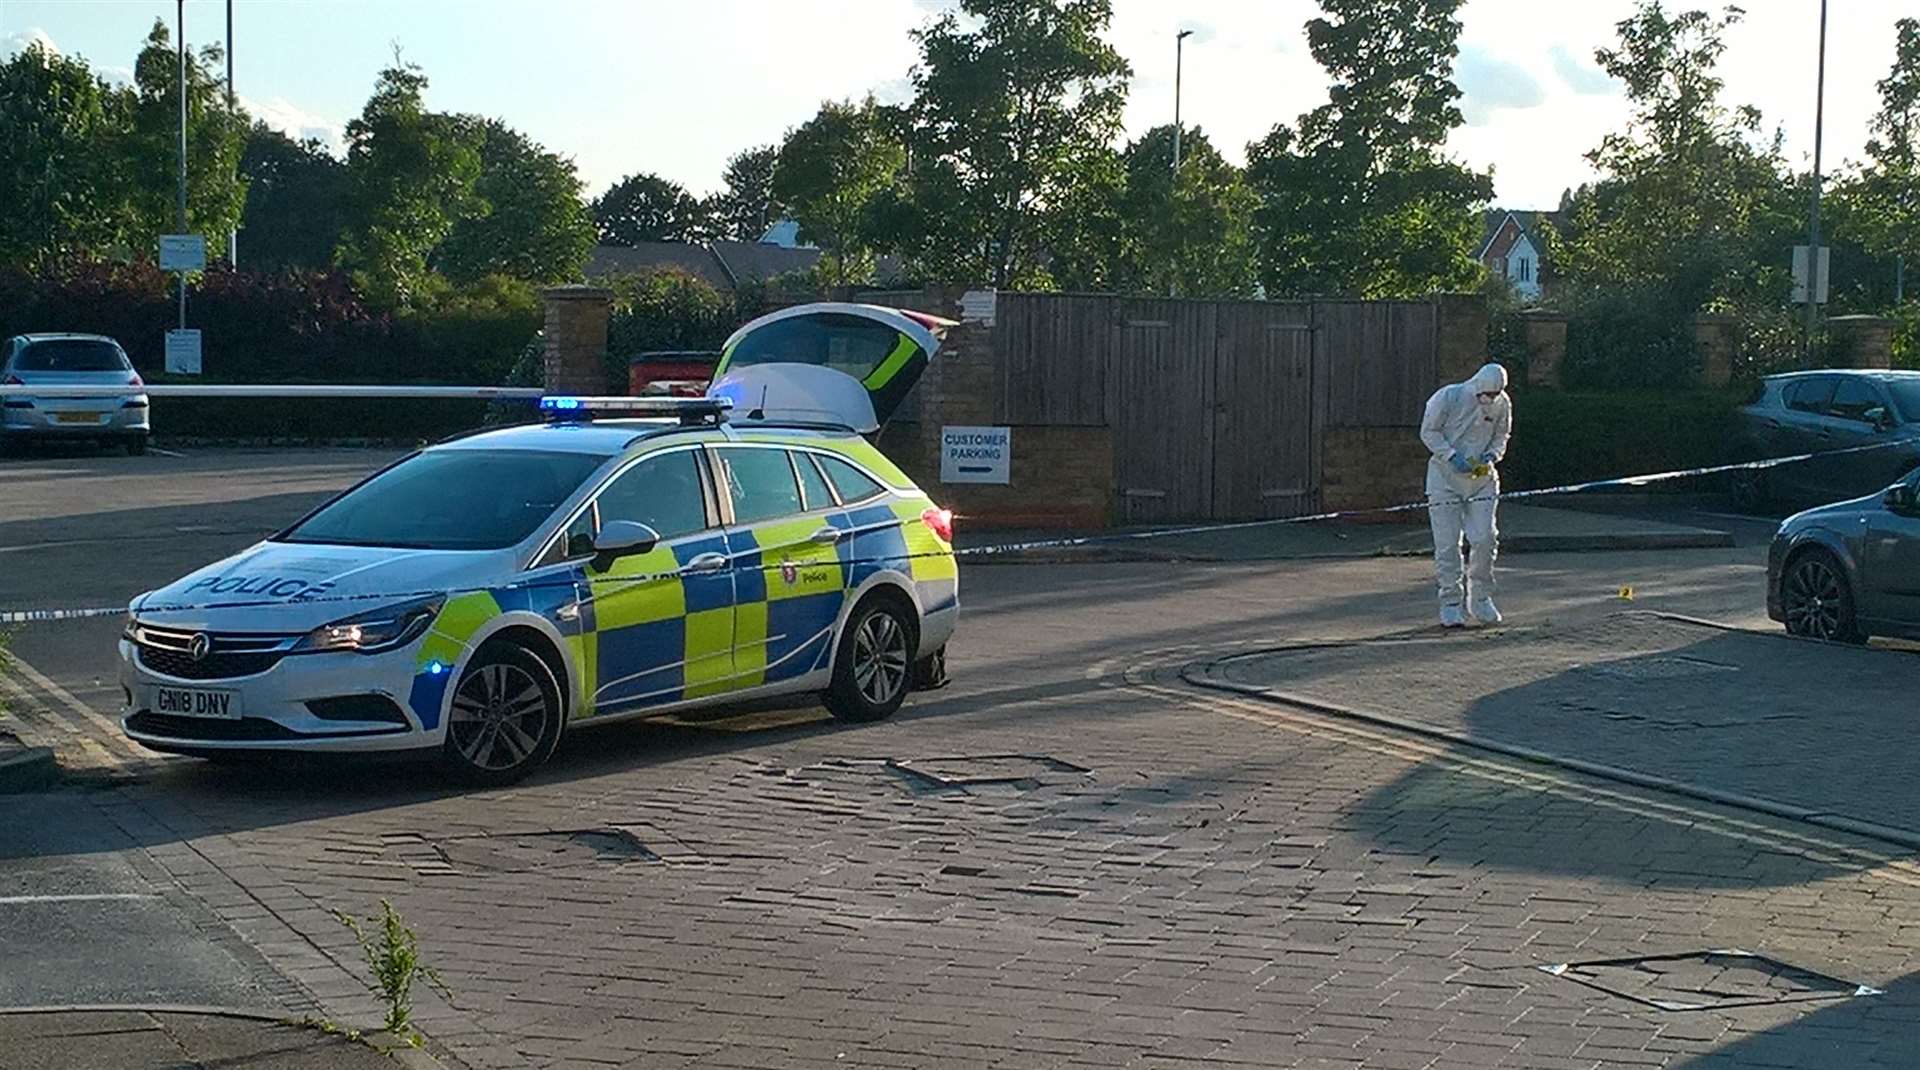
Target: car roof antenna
column 760, row 413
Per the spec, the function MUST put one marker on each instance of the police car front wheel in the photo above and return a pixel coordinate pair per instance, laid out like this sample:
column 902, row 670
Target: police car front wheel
column 505, row 717
column 873, row 669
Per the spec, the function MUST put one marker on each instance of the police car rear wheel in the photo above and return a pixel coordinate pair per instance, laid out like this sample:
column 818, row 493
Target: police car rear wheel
column 874, row 668
column 505, row 717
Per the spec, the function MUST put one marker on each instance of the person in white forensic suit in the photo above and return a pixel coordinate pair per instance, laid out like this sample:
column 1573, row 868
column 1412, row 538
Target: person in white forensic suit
column 1466, row 429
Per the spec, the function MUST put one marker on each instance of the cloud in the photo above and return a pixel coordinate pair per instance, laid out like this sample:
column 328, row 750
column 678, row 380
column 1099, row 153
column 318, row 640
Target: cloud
column 297, row 123
column 1488, row 84
column 1583, row 78
column 20, row 40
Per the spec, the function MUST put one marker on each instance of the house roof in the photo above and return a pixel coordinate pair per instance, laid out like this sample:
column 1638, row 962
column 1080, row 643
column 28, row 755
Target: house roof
column 1529, row 222
column 696, row 260
column 758, row 261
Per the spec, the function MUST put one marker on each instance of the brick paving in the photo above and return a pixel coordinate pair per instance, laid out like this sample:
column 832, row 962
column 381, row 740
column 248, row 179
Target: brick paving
column 1227, row 884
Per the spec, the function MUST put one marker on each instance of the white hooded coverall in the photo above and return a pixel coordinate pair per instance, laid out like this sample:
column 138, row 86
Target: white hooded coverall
column 1458, row 422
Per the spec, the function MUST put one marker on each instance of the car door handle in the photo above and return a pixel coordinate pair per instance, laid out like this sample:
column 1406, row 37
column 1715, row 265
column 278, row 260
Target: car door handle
column 708, row 562
column 827, row 536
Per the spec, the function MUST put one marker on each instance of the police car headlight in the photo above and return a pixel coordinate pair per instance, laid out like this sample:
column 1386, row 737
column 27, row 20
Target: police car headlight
column 374, row 632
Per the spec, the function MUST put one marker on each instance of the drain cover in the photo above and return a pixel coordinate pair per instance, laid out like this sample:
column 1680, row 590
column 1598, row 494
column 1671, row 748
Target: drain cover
column 525, row 851
column 1707, row 980
column 965, row 770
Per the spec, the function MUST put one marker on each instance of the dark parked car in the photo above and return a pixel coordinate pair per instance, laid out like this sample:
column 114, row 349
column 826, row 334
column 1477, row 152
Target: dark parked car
column 1852, row 569
column 1811, row 412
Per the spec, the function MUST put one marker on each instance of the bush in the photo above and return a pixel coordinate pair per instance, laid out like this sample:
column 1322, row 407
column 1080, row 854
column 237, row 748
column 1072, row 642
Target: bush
column 1631, row 338
column 1574, row 436
column 288, row 328
column 668, row 309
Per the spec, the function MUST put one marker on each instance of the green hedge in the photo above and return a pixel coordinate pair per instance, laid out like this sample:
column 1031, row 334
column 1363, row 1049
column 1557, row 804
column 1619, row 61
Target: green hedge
column 1563, row 436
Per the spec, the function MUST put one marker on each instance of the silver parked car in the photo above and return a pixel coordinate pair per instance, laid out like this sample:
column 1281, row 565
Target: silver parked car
column 57, row 360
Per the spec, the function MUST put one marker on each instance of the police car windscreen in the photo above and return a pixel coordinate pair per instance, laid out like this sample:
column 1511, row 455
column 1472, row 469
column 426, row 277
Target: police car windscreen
column 1906, row 395
column 451, row 500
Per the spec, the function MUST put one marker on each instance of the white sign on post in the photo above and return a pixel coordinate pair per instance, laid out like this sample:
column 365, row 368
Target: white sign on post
column 183, row 352
column 183, row 252
column 976, row 454
column 1800, row 275
column 978, row 306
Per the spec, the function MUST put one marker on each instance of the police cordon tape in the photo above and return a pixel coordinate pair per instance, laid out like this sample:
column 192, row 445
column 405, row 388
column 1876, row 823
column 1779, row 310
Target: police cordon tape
column 274, row 390
column 35, row 616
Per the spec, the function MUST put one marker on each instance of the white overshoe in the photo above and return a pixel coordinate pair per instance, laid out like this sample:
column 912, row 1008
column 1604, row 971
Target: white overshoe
column 1452, row 617
column 1485, row 611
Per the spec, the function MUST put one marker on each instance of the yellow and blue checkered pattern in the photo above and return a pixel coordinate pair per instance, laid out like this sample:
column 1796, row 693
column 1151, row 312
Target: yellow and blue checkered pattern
column 651, row 634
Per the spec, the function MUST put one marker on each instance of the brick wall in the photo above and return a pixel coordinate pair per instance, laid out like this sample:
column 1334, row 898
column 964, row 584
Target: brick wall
column 576, row 339
column 1366, row 467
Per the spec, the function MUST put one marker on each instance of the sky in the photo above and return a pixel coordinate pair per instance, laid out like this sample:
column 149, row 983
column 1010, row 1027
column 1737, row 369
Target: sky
column 676, row 88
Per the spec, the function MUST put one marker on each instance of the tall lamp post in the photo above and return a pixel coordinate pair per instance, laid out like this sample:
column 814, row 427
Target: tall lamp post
column 1813, row 226
column 180, row 23
column 233, row 236
column 1179, row 44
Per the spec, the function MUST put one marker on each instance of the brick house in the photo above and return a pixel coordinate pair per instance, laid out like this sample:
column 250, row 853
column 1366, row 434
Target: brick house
column 1513, row 249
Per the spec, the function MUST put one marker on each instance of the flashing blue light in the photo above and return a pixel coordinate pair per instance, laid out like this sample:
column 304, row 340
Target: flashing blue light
column 555, row 403
column 436, row 668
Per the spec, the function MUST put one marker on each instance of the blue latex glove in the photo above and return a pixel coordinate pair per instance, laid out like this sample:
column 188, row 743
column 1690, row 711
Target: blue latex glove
column 1487, row 459
column 1461, row 464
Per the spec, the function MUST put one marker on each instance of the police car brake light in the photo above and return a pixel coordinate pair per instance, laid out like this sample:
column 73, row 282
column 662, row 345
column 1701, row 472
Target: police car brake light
column 563, row 407
column 939, row 521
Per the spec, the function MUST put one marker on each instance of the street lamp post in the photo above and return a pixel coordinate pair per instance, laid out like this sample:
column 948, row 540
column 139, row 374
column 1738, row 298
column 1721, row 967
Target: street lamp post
column 233, row 236
column 1179, row 44
column 180, row 23
column 1813, row 227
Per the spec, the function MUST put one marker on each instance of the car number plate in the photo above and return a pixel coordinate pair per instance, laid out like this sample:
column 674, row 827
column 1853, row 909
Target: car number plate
column 196, row 702
column 76, row 417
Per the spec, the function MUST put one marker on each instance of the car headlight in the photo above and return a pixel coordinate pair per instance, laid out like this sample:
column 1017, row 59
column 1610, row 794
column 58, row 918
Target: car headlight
column 373, row 632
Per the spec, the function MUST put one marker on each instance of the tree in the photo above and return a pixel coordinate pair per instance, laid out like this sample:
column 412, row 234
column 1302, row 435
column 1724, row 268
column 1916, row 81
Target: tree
column 829, row 171
column 1358, row 197
column 60, row 177
column 1013, row 112
column 645, row 207
column 412, row 179
column 216, row 137
column 296, row 203
column 746, row 208
column 534, row 228
column 1190, row 234
column 1690, row 201
column 1886, row 193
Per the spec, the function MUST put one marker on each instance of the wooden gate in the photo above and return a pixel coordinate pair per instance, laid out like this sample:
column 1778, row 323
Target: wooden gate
column 1265, row 436
column 1217, row 408
column 1160, row 399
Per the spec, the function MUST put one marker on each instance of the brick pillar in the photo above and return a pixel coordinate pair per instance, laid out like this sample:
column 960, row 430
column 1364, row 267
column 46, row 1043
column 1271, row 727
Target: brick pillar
column 576, row 339
column 1546, row 347
column 1461, row 321
column 1860, row 341
column 1713, row 334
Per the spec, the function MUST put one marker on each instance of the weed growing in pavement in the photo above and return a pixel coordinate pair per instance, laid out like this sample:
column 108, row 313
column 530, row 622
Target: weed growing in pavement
column 393, row 956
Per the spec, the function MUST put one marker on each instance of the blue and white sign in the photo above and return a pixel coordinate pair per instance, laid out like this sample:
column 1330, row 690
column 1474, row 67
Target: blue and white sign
column 976, row 454
column 183, row 252
column 183, row 352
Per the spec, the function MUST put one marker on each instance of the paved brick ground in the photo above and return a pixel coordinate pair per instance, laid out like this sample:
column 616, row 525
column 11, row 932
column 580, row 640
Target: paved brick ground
column 1823, row 727
column 1227, row 883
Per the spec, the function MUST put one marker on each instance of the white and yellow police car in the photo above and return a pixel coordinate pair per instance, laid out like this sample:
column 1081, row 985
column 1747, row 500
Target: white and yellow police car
column 485, row 595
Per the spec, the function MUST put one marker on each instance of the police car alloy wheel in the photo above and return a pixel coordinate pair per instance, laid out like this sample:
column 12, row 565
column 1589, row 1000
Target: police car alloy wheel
column 504, row 718
column 872, row 674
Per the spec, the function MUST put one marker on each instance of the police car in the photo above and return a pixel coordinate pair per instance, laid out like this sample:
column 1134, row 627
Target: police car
column 487, row 594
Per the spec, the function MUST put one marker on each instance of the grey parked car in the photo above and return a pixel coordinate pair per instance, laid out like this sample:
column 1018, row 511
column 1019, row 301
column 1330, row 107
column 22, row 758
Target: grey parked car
column 1852, row 569
column 56, row 360
column 1811, row 412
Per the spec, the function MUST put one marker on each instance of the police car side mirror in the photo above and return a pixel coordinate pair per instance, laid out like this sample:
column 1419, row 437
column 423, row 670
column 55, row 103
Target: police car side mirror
column 1900, row 499
column 621, row 538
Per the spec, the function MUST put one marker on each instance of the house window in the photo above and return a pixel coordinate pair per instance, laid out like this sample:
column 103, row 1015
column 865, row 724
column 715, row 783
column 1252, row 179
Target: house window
column 1503, row 269
column 1526, row 270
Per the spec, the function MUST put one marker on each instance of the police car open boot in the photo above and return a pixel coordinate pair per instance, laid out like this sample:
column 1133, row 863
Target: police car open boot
column 1452, row 617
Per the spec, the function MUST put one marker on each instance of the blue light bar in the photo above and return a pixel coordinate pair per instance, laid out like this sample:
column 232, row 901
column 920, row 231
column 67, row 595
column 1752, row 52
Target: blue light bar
column 687, row 410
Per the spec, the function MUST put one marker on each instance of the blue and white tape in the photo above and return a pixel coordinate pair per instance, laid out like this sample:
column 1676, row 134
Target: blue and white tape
column 37, row 616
